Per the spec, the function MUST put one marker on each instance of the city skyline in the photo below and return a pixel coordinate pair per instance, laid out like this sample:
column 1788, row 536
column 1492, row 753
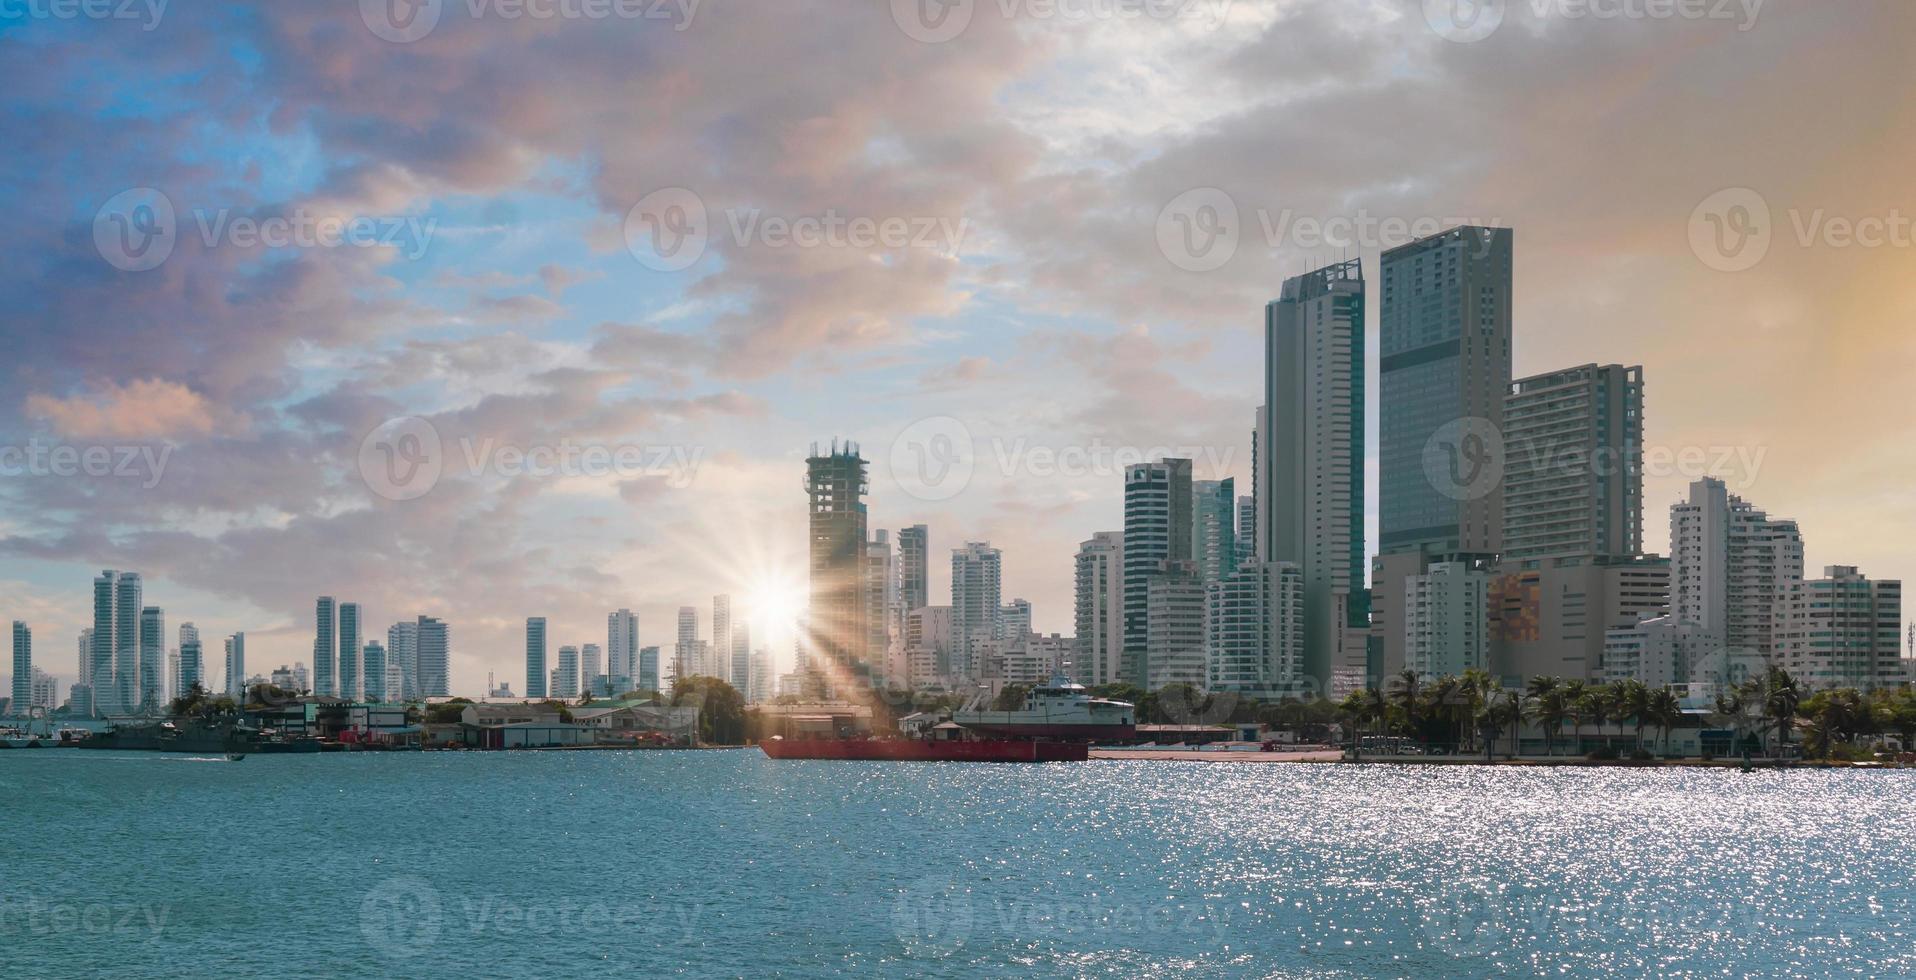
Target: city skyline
column 1097, row 338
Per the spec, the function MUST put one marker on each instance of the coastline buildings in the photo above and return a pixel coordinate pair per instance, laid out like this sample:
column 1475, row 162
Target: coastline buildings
column 884, row 603
column 235, row 664
column 192, row 659
column 591, row 676
column 1733, row 568
column 325, row 647
column 1214, row 527
column 1099, row 609
column 151, row 695
column 648, row 669
column 565, row 677
column 349, row 648
column 977, row 610
column 717, row 659
column 402, row 651
column 835, row 487
column 22, row 665
column 536, row 676
column 1444, row 612
column 1254, row 629
column 622, row 649
column 1157, row 535
column 914, row 580
column 1174, row 625
column 1573, row 463
column 372, row 658
column 434, row 657
column 1310, row 460
column 1844, row 630
column 1444, row 372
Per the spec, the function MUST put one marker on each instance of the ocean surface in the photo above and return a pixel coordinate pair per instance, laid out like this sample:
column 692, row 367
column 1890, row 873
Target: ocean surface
column 724, row 863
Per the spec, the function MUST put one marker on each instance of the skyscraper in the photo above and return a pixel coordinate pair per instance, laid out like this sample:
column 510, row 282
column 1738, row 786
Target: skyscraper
column 1444, row 372
column 648, row 679
column 883, row 607
column 1099, row 608
column 1444, row 365
column 977, row 611
column 192, row 660
column 1843, row 630
column 914, row 570
column 835, row 487
column 1254, row 629
column 536, row 673
column 349, row 649
column 622, row 649
column 1174, row 624
column 566, row 686
column 434, row 658
column 685, row 652
column 373, row 659
column 1214, row 527
column 1573, row 462
column 126, row 642
column 1014, row 620
column 1733, row 569
column 325, row 647
column 591, row 673
column 22, row 666
column 741, row 656
column 1444, row 629
column 719, row 663
column 235, row 666
column 152, row 691
column 101, row 676
column 402, row 651
column 1157, row 530
column 1310, row 454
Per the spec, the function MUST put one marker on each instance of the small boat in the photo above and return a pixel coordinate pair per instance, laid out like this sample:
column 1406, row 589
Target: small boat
column 236, row 757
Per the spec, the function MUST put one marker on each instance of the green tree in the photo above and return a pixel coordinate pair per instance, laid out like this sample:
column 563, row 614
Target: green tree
column 1546, row 693
column 721, row 708
column 1011, row 698
column 1666, row 711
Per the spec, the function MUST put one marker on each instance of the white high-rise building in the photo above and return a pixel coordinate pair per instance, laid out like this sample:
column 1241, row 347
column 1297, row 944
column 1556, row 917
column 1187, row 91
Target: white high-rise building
column 1015, row 620
column 1662, row 652
column 1157, row 534
column 402, row 653
column 622, row 649
column 192, row 661
column 372, row 660
column 591, row 674
column 928, row 655
column 763, row 685
column 1445, row 632
column 740, row 656
column 1844, row 630
column 434, row 658
column 151, row 695
column 565, row 685
column 1099, row 609
column 43, row 691
column 1254, row 630
column 884, row 609
column 977, row 611
column 236, row 665
column 1174, row 633
column 126, row 642
column 685, row 652
column 719, row 663
column 1733, row 569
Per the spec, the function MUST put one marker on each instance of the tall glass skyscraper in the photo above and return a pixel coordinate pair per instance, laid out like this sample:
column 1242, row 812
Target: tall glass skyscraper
column 1157, row 533
column 349, row 649
column 1310, row 453
column 434, row 656
column 977, row 609
column 22, row 667
column 1444, row 367
column 536, row 657
column 835, row 487
column 325, row 647
column 152, row 694
column 1214, row 527
column 914, row 570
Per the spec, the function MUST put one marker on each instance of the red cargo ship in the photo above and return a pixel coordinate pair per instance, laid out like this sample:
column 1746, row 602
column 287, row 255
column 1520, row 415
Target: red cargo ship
column 920, row 750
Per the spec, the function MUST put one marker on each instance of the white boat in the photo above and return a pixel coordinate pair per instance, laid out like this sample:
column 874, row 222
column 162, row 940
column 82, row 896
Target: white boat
column 20, row 738
column 1059, row 709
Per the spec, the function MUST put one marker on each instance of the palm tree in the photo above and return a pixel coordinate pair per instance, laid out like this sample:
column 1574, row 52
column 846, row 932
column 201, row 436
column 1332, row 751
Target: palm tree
column 1595, row 702
column 1442, row 697
column 1617, row 702
column 1781, row 698
column 1404, row 693
column 1547, row 694
column 1475, row 686
column 1573, row 692
column 1353, row 708
column 1634, row 699
column 1666, row 711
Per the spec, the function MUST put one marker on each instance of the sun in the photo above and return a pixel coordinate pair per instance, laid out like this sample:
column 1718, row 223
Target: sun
column 774, row 602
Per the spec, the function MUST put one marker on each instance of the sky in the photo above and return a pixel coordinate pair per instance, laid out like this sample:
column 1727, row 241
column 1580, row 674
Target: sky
column 487, row 309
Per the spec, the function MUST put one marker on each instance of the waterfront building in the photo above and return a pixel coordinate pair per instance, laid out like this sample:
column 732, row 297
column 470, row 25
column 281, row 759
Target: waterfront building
column 1444, row 622
column 43, row 690
column 1310, row 452
column 741, row 656
column 536, row 670
column 762, row 685
column 127, row 604
column 928, row 654
column 1548, row 616
column 914, row 568
column 1843, row 630
column 349, row 648
column 192, row 660
column 648, row 679
column 1444, row 374
column 565, row 684
column 881, row 594
column 1174, row 604
column 1157, row 535
column 173, row 688
column 685, row 651
column 1662, row 652
column 99, row 672
column 434, row 655
column 151, row 695
column 835, row 488
column 1254, row 630
column 591, row 676
column 1734, row 569
column 1098, row 610
column 22, row 665
column 372, row 659
column 325, row 647
column 719, row 663
column 235, row 665
column 1247, row 513
column 1015, row 619
column 977, row 609
column 1214, row 527
column 622, row 649
column 1573, row 464
column 402, row 652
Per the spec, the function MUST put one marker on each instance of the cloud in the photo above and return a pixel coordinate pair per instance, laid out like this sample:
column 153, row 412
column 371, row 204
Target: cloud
column 148, row 409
